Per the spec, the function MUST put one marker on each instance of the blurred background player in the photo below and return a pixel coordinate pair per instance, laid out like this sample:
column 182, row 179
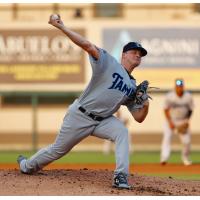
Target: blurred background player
column 178, row 108
column 108, row 145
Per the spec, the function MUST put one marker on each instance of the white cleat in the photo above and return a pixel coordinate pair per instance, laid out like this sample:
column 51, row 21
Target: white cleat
column 187, row 162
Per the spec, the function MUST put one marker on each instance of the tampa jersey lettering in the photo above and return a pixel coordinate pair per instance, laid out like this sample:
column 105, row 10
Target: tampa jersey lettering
column 118, row 84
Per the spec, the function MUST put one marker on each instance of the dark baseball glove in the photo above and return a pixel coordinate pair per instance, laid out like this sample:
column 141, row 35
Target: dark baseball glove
column 141, row 93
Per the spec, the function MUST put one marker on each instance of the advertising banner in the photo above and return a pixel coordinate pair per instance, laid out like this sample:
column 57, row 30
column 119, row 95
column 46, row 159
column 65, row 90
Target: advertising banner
column 167, row 47
column 40, row 56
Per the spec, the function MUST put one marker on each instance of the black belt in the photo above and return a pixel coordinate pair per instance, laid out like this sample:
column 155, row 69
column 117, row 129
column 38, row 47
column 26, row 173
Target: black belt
column 94, row 117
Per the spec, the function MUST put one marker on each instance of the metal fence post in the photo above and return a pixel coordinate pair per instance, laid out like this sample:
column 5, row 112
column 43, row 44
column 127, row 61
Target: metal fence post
column 34, row 101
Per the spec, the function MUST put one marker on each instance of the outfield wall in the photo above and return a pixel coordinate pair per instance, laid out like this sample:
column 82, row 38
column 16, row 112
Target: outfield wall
column 17, row 131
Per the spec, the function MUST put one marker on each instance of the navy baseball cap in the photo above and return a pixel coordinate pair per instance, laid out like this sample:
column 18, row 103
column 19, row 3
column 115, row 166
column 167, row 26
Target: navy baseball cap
column 135, row 45
column 179, row 82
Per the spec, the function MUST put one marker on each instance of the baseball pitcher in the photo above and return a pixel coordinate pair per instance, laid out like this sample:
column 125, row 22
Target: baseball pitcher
column 178, row 110
column 111, row 86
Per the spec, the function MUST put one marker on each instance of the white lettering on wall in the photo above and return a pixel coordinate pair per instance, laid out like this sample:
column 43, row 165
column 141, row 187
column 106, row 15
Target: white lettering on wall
column 37, row 48
column 178, row 47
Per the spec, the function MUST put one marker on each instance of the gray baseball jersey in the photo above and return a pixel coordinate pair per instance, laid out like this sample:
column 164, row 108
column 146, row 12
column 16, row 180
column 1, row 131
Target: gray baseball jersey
column 110, row 87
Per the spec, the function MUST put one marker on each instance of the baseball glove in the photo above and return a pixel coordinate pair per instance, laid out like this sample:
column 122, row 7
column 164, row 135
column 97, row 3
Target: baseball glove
column 141, row 93
column 182, row 128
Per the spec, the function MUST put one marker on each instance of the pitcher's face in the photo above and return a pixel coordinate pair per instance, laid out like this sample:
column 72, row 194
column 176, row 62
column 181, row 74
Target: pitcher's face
column 133, row 57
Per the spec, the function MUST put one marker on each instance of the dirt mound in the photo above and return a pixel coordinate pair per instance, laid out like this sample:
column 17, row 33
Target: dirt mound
column 89, row 182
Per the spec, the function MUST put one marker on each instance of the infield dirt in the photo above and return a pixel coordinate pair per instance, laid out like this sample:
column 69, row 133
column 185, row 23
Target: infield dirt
column 86, row 181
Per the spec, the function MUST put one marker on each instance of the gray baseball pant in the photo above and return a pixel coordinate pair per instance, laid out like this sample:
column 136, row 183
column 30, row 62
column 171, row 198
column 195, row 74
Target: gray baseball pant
column 75, row 127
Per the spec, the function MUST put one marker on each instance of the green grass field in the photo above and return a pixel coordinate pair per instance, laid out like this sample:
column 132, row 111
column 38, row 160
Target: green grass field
column 99, row 157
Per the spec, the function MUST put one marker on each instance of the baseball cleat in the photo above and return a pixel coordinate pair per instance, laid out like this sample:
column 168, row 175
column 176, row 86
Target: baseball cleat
column 163, row 162
column 19, row 160
column 187, row 162
column 120, row 181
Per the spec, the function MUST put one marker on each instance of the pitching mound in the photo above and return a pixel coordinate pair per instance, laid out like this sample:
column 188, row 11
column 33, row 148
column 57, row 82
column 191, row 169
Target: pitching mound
column 89, row 182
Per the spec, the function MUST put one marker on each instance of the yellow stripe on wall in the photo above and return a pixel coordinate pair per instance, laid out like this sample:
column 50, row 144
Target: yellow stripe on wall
column 164, row 78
